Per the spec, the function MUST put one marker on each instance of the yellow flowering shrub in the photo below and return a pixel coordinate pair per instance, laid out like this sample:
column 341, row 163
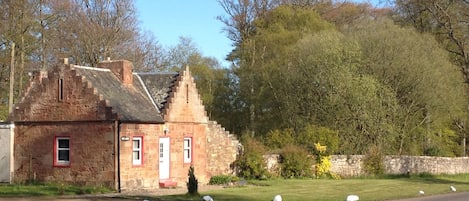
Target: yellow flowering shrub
column 323, row 162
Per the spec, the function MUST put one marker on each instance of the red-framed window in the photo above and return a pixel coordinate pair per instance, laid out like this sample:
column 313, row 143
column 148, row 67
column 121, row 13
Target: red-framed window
column 137, row 151
column 62, row 151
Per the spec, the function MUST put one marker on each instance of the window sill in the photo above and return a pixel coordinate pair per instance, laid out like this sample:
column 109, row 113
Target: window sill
column 62, row 165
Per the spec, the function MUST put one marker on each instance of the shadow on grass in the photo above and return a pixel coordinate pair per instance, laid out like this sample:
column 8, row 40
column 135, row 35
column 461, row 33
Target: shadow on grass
column 426, row 178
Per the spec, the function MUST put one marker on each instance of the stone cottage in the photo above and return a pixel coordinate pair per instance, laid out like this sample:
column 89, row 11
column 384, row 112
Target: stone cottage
column 107, row 125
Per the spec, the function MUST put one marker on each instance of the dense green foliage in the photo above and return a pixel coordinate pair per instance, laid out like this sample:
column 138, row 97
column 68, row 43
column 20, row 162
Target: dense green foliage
column 373, row 162
column 295, row 162
column 250, row 163
column 222, row 179
column 278, row 139
column 313, row 134
column 305, row 74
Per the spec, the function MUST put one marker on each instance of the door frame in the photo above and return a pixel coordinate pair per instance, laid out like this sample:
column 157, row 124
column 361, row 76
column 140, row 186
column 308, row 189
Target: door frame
column 166, row 169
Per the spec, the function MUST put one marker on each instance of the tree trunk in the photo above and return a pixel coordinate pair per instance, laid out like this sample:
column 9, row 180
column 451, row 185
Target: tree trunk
column 21, row 70
column 12, row 78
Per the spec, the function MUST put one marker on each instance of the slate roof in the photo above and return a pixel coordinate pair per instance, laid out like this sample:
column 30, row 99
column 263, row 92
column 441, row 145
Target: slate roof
column 141, row 102
column 158, row 86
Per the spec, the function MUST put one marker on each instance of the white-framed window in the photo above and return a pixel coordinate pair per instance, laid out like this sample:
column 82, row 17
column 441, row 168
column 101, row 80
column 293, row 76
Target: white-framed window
column 62, row 151
column 187, row 150
column 137, row 150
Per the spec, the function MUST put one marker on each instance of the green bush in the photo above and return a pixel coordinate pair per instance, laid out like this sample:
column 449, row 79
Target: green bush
column 373, row 161
column 192, row 184
column 277, row 139
column 250, row 163
column 315, row 134
column 295, row 162
column 222, row 179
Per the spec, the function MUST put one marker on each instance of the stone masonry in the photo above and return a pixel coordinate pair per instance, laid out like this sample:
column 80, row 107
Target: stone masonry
column 223, row 149
column 91, row 161
column 352, row 165
column 146, row 175
column 63, row 98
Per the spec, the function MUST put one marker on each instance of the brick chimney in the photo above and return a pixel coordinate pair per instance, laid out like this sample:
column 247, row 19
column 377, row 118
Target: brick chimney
column 121, row 68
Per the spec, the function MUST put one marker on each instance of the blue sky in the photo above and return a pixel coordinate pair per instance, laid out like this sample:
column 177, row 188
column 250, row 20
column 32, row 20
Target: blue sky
column 170, row 19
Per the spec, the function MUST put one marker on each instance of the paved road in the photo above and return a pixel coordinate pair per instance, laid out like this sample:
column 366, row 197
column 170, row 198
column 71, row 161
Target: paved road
column 464, row 196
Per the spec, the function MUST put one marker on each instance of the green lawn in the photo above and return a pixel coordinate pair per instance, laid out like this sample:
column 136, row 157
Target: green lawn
column 313, row 189
column 48, row 190
column 291, row 189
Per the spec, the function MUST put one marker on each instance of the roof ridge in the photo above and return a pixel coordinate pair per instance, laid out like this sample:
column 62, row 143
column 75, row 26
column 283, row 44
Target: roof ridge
column 156, row 73
column 90, row 68
column 147, row 92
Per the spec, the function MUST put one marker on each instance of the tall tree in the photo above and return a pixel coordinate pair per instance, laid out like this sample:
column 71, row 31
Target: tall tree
column 96, row 29
column 239, row 22
column 16, row 24
column 146, row 54
column 332, row 93
column 428, row 87
column 446, row 19
column 263, row 63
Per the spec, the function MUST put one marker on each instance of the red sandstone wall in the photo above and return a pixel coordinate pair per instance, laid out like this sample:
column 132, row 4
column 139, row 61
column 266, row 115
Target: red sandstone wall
column 146, row 175
column 79, row 102
column 91, row 153
column 121, row 68
column 184, row 103
column 179, row 169
column 77, row 115
column 186, row 117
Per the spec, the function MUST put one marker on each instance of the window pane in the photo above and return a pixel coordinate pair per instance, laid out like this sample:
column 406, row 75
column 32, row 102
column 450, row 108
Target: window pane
column 187, row 153
column 161, row 150
column 63, row 155
column 63, row 143
column 136, row 155
column 136, row 144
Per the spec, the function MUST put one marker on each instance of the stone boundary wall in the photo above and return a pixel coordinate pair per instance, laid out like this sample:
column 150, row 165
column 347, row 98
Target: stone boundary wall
column 352, row 165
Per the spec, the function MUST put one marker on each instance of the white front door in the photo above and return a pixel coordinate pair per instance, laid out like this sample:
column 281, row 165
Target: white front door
column 164, row 158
